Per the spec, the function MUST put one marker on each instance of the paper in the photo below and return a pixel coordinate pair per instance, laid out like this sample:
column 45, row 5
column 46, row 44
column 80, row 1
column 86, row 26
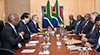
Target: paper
column 79, row 48
column 45, row 52
column 34, row 42
column 75, row 48
column 69, row 46
column 71, row 34
column 28, row 51
column 30, row 44
column 40, row 35
column 58, row 43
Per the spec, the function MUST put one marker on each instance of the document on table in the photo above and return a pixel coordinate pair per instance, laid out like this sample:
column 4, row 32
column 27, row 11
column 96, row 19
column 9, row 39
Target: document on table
column 28, row 51
column 30, row 44
column 45, row 52
column 34, row 42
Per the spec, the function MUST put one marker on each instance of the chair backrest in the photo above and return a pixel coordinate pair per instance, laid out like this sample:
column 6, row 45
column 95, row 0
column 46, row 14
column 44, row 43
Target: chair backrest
column 1, row 27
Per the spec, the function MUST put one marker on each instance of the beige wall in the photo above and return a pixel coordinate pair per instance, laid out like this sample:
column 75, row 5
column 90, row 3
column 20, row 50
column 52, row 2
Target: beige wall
column 18, row 6
column 2, row 10
column 74, row 7
column 97, row 3
column 70, row 7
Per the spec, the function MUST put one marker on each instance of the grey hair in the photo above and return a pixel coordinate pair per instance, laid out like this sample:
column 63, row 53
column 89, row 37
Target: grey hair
column 34, row 16
column 94, row 13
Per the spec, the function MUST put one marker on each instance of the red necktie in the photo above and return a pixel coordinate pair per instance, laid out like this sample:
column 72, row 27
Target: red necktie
column 83, row 27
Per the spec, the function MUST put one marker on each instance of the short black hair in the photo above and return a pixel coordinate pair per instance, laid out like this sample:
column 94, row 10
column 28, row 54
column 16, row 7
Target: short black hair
column 97, row 18
column 24, row 15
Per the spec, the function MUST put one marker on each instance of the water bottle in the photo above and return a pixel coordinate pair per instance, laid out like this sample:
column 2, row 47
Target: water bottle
column 73, row 40
column 41, row 47
column 86, row 52
column 81, row 52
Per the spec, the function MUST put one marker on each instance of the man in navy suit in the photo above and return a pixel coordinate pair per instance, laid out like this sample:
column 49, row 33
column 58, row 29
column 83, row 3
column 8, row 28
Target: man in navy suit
column 33, row 25
column 97, row 45
column 79, row 24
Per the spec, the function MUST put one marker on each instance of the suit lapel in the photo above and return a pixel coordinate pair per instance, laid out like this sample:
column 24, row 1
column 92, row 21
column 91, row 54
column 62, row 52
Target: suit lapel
column 34, row 25
column 12, row 29
column 24, row 25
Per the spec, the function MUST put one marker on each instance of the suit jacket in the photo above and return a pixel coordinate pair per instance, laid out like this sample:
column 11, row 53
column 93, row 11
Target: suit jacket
column 88, row 28
column 72, row 21
column 9, row 39
column 95, row 46
column 33, row 28
column 92, row 37
column 22, row 27
column 71, row 26
column 79, row 28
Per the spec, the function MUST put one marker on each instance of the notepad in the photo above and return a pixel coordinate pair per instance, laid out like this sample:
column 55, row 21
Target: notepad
column 58, row 43
column 30, row 44
column 28, row 51
column 40, row 35
column 34, row 42
column 45, row 52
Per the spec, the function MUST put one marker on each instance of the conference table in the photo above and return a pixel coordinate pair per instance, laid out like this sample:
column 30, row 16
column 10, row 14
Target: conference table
column 53, row 48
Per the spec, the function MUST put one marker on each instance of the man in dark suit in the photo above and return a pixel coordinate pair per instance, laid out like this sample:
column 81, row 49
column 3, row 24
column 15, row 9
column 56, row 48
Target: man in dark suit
column 10, row 38
column 97, row 45
column 33, row 25
column 72, row 20
column 25, row 18
column 72, row 23
column 79, row 24
column 88, row 25
column 91, row 35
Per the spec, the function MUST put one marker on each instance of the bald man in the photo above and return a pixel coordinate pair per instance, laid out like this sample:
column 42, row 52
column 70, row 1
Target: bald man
column 72, row 20
column 10, row 38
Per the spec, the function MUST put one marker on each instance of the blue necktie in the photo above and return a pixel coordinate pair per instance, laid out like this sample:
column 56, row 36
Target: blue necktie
column 15, row 31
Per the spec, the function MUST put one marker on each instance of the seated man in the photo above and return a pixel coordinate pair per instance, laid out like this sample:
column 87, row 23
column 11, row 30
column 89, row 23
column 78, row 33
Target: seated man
column 10, row 38
column 91, row 35
column 33, row 25
column 88, row 24
column 97, row 45
column 25, row 18
column 72, row 23
column 79, row 24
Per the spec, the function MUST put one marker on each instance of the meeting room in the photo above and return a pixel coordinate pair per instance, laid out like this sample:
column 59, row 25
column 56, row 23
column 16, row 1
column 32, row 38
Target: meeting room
column 49, row 27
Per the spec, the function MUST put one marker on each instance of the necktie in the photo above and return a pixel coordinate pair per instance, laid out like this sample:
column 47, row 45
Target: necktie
column 83, row 28
column 93, row 28
column 98, row 43
column 15, row 31
column 36, row 25
column 28, row 29
column 77, row 24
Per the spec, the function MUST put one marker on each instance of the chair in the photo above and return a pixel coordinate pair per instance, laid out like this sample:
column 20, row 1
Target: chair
column 4, row 51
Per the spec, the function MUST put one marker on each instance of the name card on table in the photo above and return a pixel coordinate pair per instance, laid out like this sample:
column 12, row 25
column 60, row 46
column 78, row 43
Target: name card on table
column 33, row 41
column 28, row 51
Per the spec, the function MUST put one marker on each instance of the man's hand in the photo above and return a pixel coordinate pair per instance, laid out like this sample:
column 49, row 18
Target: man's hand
column 61, row 25
column 84, row 39
column 22, row 33
column 35, row 34
column 73, row 30
column 88, row 44
column 83, row 35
